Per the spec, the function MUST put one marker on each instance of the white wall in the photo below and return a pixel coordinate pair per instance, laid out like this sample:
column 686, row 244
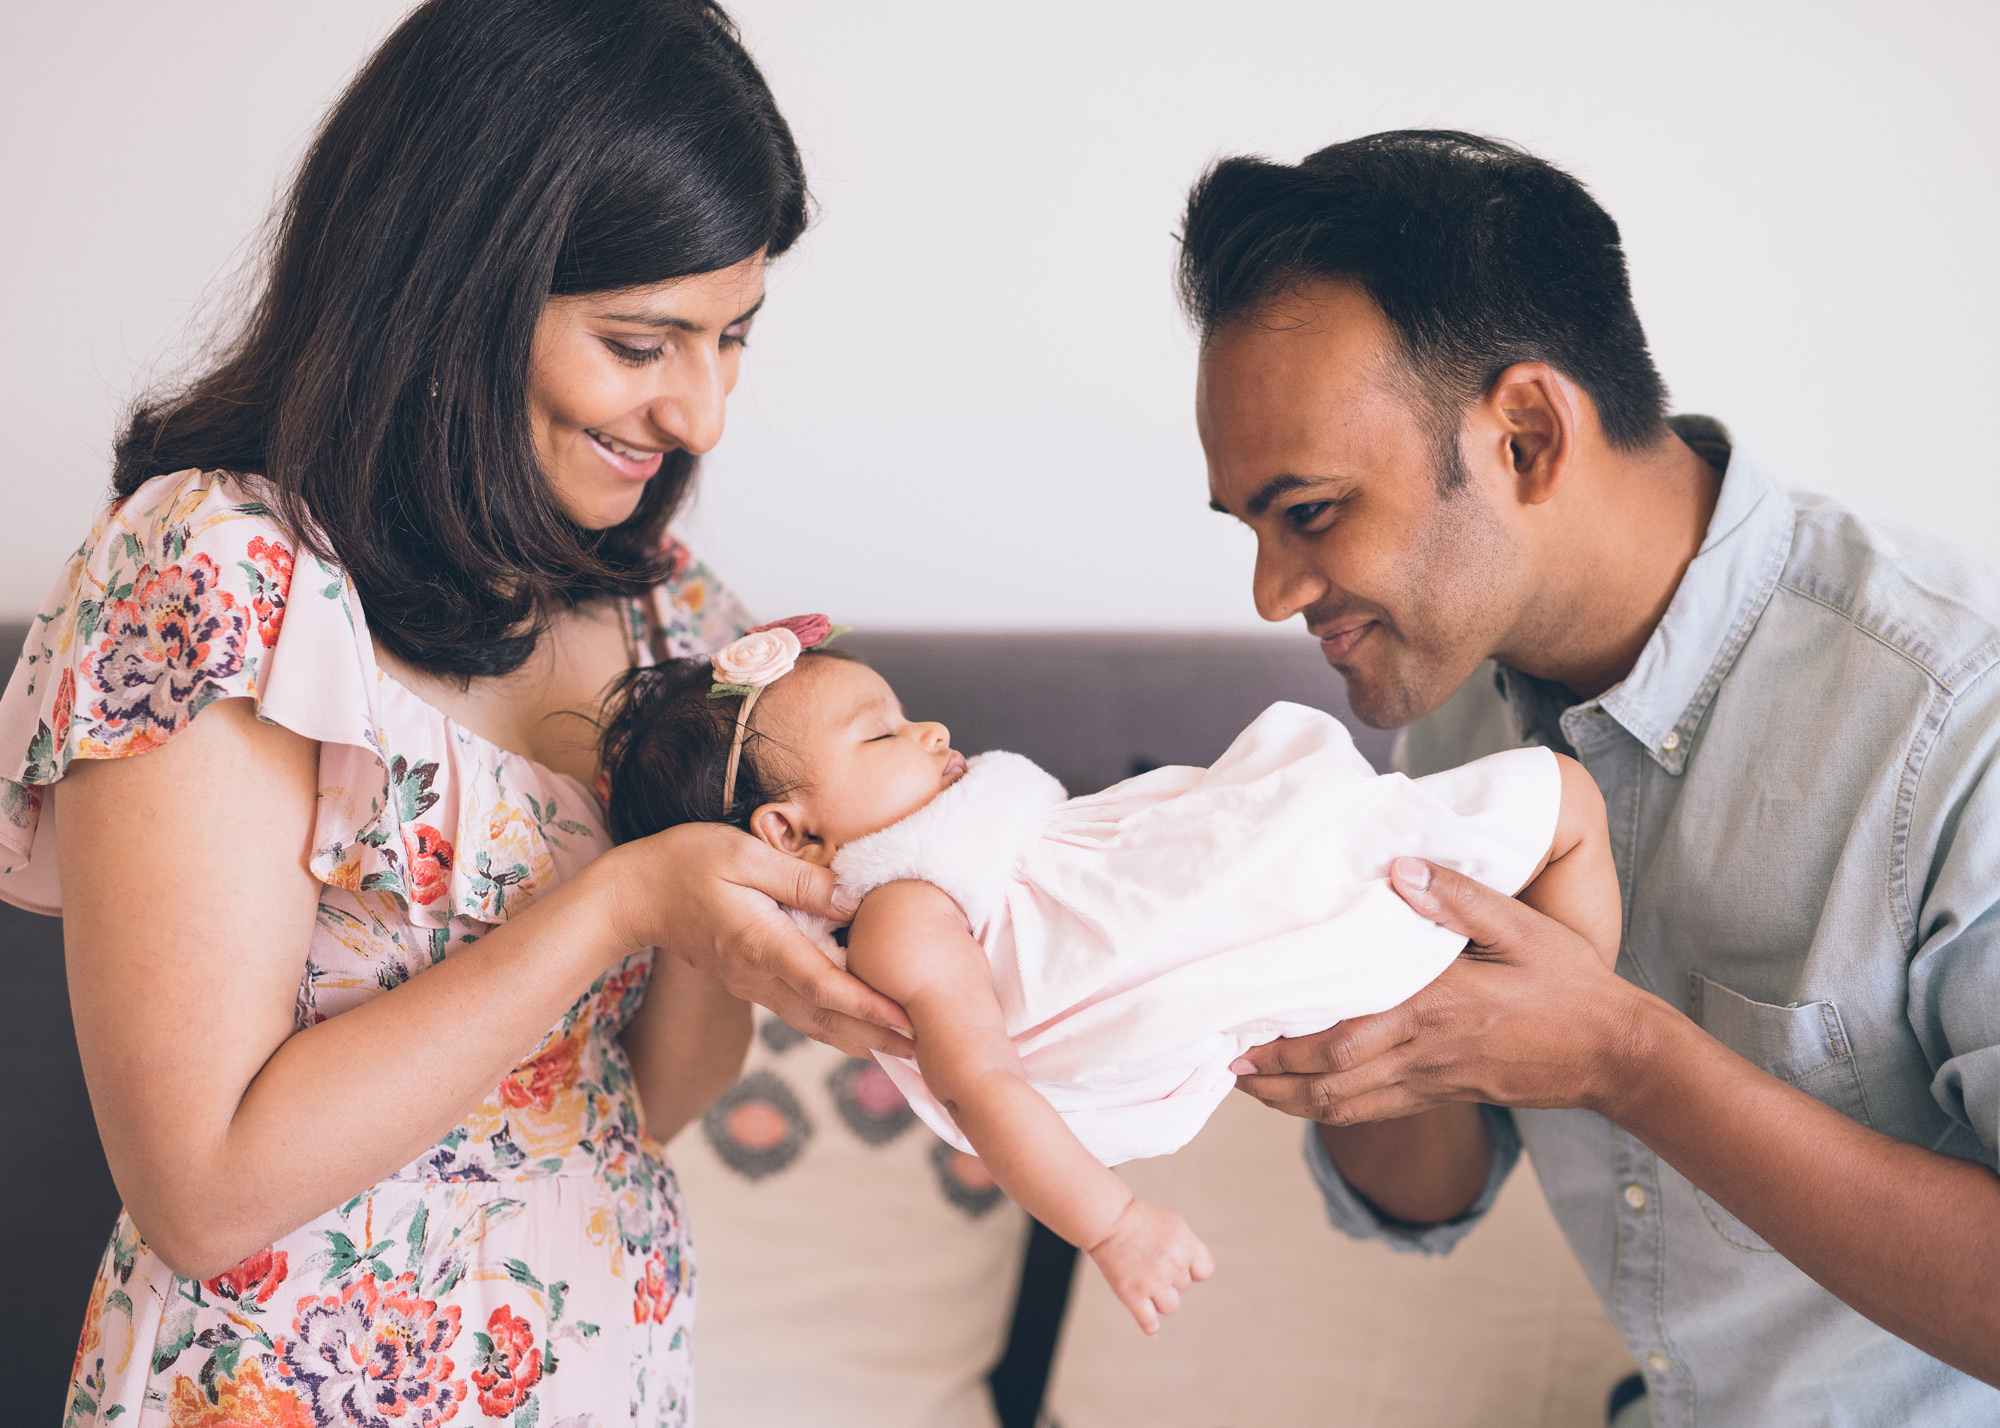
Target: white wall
column 968, row 403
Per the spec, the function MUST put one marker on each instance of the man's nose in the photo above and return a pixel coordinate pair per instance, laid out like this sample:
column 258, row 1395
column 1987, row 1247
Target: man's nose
column 1284, row 583
column 691, row 410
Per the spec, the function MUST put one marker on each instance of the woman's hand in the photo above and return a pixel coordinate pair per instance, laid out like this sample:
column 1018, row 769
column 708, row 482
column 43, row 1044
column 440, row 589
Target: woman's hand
column 709, row 895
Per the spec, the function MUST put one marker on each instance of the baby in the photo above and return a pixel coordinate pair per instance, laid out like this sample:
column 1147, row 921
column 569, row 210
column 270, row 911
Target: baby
column 1081, row 973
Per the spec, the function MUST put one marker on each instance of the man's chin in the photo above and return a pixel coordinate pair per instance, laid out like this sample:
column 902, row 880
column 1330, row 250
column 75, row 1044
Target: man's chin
column 1386, row 702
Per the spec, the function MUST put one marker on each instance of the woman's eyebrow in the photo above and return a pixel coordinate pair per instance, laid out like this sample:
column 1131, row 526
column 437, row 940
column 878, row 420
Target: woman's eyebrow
column 678, row 324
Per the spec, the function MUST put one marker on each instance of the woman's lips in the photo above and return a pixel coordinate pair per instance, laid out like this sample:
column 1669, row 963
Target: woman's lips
column 1340, row 644
column 639, row 466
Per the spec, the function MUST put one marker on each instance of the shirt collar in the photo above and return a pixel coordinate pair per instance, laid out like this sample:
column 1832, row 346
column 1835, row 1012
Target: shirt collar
column 1724, row 590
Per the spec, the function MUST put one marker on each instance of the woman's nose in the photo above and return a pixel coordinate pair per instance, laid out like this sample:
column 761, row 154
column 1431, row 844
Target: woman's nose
column 692, row 410
column 1283, row 583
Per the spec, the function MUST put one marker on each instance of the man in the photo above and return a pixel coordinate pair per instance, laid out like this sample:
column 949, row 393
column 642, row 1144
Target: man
column 1770, row 1136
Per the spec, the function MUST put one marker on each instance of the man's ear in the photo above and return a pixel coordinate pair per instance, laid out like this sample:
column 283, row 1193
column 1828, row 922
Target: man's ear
column 1533, row 410
column 783, row 826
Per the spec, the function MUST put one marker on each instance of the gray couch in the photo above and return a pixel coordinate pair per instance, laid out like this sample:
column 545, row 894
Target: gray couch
column 1092, row 708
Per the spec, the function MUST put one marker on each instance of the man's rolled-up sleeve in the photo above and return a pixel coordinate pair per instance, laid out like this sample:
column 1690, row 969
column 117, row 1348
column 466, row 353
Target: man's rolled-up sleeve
column 1353, row 1216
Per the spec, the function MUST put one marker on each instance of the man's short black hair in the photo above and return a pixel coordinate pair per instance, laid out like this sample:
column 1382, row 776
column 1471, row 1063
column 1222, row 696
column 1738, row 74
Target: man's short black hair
column 1480, row 255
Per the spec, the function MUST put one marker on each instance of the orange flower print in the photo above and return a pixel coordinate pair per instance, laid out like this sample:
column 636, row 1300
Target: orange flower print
column 252, row 1282
column 653, row 1296
column 430, row 859
column 93, row 1326
column 65, row 709
column 271, row 566
column 373, row 1357
column 509, row 1365
column 536, row 1082
column 243, row 1400
column 167, row 648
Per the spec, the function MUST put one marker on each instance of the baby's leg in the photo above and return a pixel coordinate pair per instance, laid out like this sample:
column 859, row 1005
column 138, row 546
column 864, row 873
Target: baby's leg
column 1578, row 886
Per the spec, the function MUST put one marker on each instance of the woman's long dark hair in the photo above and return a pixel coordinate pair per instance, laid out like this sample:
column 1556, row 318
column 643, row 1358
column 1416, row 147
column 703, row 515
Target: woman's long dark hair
column 490, row 153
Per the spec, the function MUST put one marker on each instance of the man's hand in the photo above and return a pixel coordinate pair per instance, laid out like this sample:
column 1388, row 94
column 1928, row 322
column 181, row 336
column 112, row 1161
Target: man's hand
column 1528, row 1015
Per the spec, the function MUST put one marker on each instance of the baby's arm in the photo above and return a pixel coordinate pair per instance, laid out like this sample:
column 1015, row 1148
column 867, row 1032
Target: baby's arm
column 1577, row 884
column 911, row 942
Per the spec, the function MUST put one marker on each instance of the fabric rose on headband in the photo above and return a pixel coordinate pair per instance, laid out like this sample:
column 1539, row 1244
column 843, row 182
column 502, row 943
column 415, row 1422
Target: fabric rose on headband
column 767, row 653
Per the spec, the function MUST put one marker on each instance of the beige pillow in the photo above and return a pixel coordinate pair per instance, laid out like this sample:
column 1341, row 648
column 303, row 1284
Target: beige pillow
column 1302, row 1327
column 854, row 1271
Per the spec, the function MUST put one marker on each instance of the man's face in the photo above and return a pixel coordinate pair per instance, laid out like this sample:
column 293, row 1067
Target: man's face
column 1313, row 441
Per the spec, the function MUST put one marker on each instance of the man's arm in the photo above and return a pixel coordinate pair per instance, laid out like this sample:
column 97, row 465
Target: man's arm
column 1530, row 1017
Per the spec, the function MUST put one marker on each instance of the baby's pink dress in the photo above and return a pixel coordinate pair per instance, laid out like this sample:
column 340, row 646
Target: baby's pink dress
column 1144, row 937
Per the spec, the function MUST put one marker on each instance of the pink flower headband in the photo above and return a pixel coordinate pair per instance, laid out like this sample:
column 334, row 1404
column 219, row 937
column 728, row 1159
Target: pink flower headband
column 752, row 664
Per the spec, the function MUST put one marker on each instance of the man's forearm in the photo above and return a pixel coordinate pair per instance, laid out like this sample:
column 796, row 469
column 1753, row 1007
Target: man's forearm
column 1904, row 1235
column 1421, row 1169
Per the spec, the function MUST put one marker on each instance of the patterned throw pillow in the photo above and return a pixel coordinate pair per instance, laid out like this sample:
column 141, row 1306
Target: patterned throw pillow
column 854, row 1269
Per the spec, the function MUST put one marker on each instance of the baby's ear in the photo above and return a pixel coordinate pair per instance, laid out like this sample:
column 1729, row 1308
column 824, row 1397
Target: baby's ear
column 783, row 826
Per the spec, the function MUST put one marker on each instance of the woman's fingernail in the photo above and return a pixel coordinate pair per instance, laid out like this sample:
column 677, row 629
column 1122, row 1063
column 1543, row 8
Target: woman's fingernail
column 1243, row 1066
column 846, row 902
column 1412, row 873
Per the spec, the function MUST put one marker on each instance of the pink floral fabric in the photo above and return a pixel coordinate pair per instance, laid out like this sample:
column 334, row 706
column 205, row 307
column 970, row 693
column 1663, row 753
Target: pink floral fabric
column 534, row 1265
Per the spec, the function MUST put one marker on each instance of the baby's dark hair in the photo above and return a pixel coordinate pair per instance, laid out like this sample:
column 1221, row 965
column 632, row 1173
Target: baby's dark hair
column 665, row 751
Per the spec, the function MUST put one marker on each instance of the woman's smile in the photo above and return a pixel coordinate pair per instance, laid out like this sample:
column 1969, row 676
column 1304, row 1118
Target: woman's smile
column 632, row 462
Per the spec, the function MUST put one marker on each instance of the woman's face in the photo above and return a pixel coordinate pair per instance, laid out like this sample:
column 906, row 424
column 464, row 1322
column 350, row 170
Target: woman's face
column 618, row 379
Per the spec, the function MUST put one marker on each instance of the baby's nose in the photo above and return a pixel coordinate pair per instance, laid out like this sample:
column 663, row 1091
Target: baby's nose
column 936, row 736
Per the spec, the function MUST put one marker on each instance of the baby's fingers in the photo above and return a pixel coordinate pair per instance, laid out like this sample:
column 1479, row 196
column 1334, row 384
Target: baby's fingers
column 1142, row 1310
column 1167, row 1299
column 1202, row 1265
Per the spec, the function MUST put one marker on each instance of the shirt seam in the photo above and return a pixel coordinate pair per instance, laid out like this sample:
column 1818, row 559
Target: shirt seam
column 1969, row 668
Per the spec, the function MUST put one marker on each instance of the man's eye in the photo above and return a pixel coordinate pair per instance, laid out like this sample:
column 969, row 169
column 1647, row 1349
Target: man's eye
column 1310, row 515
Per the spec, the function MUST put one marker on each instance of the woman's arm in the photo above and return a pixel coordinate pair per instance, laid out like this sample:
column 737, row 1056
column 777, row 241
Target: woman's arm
column 910, row 941
column 188, row 907
column 686, row 1043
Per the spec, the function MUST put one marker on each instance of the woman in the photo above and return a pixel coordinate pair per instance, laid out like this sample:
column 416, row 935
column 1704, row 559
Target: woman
column 307, row 730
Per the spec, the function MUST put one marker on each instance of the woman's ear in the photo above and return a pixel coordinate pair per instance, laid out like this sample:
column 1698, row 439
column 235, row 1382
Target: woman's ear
column 783, row 826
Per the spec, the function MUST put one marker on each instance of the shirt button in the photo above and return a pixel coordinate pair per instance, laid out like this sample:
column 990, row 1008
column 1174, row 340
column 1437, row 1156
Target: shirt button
column 1672, row 741
column 1635, row 1196
column 1658, row 1362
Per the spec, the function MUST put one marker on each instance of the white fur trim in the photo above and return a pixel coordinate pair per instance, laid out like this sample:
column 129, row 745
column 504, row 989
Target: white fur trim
column 965, row 841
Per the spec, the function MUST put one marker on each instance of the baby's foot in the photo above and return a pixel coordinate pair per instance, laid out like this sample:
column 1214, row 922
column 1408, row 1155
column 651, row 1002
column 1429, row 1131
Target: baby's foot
column 1149, row 1257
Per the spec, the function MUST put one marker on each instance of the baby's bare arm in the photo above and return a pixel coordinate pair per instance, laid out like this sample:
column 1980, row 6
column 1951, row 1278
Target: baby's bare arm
column 1578, row 884
column 911, row 942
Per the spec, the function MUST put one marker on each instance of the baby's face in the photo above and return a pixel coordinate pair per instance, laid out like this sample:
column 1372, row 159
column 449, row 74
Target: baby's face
column 863, row 765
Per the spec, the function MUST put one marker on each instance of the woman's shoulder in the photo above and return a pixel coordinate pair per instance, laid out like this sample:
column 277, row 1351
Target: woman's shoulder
column 182, row 594
column 689, row 611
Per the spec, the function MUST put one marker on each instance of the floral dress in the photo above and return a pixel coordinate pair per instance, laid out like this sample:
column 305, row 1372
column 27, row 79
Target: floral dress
column 533, row 1266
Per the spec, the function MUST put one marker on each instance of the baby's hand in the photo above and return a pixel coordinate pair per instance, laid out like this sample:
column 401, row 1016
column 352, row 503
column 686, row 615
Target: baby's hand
column 1149, row 1257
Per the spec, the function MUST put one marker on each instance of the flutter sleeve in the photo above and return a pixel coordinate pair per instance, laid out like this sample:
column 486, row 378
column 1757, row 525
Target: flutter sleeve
column 186, row 592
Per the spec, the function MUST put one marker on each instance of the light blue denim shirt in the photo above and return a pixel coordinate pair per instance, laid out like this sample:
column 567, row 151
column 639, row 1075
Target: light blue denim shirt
column 1808, row 844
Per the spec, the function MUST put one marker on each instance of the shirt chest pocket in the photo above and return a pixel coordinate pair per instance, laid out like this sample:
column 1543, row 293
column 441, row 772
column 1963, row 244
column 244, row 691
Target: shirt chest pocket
column 1805, row 1045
